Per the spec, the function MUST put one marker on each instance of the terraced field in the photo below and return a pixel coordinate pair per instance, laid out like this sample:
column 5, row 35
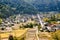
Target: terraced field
column 44, row 36
column 17, row 33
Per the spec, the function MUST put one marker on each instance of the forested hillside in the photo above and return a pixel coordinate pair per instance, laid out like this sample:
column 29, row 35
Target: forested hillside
column 11, row 7
column 8, row 8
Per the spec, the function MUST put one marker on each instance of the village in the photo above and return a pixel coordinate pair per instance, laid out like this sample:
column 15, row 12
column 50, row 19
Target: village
column 39, row 23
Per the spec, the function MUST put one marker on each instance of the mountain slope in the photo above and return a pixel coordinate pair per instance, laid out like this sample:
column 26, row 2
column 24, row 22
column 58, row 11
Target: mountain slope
column 15, row 7
column 45, row 5
column 11, row 7
column 4, row 10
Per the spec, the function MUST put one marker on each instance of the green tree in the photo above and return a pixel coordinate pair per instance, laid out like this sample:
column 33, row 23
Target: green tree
column 0, row 20
column 30, row 25
column 53, row 18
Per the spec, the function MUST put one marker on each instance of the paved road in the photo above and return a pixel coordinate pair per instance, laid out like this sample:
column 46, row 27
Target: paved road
column 31, row 34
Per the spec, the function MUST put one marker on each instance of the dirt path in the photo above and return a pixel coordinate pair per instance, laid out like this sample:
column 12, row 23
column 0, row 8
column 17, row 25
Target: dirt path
column 31, row 34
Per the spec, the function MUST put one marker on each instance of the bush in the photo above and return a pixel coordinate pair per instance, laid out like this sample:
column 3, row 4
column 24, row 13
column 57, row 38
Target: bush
column 15, row 38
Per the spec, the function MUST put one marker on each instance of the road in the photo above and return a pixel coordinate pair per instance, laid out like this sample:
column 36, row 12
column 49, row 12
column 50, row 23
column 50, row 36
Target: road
column 31, row 34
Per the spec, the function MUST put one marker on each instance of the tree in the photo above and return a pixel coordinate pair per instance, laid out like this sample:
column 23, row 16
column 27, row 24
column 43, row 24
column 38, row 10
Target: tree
column 30, row 25
column 11, row 37
column 0, row 20
column 53, row 18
